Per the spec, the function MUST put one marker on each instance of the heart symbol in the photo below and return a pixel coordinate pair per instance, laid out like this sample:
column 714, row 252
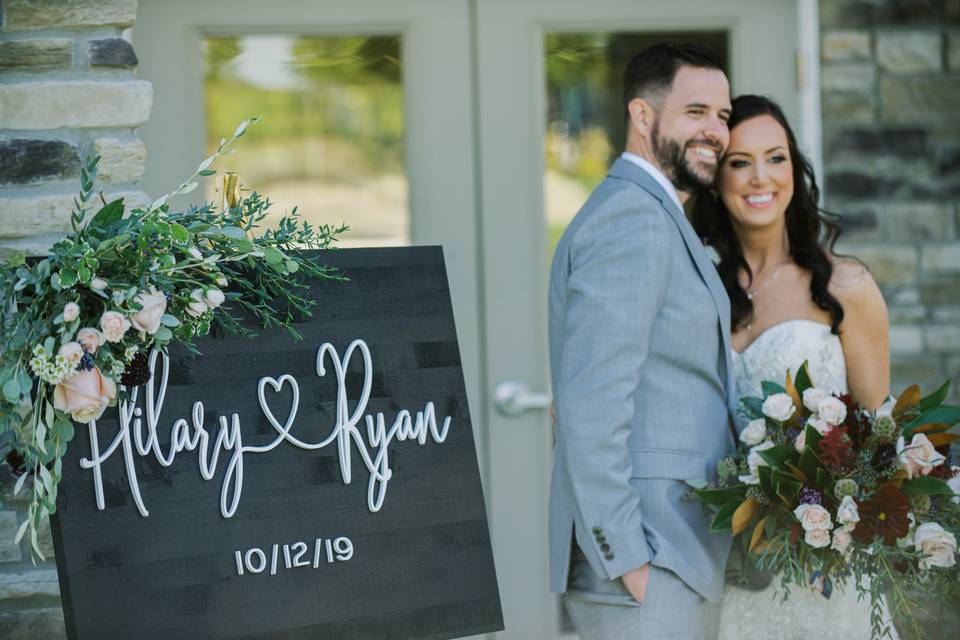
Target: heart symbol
column 284, row 431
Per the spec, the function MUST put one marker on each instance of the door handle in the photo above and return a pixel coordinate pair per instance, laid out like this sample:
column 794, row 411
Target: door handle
column 512, row 398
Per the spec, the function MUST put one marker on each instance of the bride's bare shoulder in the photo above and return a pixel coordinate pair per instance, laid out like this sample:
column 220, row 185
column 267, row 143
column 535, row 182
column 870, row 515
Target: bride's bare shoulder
column 853, row 286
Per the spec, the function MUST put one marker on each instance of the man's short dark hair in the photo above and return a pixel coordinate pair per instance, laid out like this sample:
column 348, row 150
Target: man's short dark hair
column 651, row 72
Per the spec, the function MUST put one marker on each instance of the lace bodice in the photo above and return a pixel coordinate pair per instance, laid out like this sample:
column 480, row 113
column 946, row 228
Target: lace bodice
column 786, row 346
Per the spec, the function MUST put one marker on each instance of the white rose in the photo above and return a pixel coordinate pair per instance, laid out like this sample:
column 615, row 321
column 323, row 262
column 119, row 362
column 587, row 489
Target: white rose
column 213, row 298
column 754, row 461
column 113, row 325
column 754, row 432
column 72, row 351
column 832, row 410
column 819, row 424
column 841, row 540
column 154, row 305
column 221, row 281
column 920, row 457
column 847, row 513
column 91, row 339
column 817, row 538
column 195, row 253
column 938, row 545
column 801, row 442
column 98, row 283
column 954, row 484
column 778, row 407
column 196, row 307
column 813, row 517
column 70, row 311
column 812, row 398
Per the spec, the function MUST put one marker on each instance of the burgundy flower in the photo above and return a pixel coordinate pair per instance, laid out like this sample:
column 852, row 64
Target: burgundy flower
column 836, row 450
column 884, row 515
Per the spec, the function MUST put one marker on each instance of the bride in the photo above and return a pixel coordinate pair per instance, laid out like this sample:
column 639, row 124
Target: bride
column 792, row 300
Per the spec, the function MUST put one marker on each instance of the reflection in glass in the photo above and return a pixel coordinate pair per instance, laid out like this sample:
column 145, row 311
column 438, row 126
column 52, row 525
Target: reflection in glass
column 330, row 138
column 585, row 117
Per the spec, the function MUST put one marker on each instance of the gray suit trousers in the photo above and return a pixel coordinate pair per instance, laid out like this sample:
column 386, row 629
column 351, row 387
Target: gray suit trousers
column 602, row 609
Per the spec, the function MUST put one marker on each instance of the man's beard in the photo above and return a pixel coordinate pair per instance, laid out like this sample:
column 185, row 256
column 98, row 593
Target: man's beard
column 670, row 155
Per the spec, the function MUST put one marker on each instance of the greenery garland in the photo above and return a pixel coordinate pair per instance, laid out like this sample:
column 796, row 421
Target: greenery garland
column 78, row 325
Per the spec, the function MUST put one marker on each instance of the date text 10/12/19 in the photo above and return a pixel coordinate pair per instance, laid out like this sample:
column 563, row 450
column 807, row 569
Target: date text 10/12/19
column 295, row 555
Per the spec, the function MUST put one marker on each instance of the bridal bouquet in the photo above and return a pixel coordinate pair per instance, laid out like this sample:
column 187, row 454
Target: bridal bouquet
column 823, row 492
column 76, row 327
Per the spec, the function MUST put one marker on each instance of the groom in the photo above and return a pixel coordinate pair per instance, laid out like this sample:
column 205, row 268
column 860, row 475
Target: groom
column 640, row 359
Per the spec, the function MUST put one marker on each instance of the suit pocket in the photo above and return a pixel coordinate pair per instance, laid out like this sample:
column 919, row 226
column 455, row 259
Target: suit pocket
column 673, row 464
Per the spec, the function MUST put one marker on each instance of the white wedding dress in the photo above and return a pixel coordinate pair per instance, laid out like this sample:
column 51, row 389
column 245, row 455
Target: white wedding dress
column 759, row 615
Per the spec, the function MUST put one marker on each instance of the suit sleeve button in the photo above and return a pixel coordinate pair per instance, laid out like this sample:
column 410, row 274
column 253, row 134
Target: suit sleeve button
column 597, row 531
column 608, row 555
column 605, row 547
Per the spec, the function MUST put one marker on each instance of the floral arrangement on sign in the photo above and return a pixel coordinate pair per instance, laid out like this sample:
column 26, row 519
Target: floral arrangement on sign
column 822, row 492
column 78, row 326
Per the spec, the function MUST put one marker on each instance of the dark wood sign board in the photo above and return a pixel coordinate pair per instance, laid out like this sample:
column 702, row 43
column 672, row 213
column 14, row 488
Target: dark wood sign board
column 420, row 567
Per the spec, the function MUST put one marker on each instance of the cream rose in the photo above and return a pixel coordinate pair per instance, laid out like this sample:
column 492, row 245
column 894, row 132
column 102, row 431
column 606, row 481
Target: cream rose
column 939, row 545
column 154, row 305
column 818, row 423
column 832, row 411
column 91, row 339
column 754, row 432
column 801, row 442
column 817, row 538
column 195, row 253
column 221, row 281
column 196, row 307
column 113, row 325
column 812, row 398
column 70, row 311
column 841, row 540
column 85, row 396
column 778, row 407
column 919, row 457
column 72, row 351
column 813, row 517
column 754, row 462
column 213, row 298
column 847, row 513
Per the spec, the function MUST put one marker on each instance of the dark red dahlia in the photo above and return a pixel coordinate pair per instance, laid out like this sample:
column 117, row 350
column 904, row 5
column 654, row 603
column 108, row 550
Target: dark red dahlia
column 836, row 450
column 884, row 515
column 857, row 423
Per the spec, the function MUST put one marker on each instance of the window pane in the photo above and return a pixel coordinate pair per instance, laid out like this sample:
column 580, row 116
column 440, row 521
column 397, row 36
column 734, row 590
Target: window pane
column 585, row 118
column 330, row 138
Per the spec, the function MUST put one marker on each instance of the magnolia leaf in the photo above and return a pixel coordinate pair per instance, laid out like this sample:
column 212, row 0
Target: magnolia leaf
column 724, row 517
column 758, row 532
column 926, row 486
column 797, row 473
column 935, row 399
column 777, row 456
column 770, row 388
column 791, row 391
column 909, row 399
column 931, row 428
column 940, row 439
column 720, row 497
column 803, row 381
column 743, row 515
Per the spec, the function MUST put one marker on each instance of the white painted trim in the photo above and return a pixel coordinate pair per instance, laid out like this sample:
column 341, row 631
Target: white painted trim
column 808, row 84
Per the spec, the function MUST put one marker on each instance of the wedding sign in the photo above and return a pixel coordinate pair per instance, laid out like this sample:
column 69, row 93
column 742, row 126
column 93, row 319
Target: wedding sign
column 327, row 488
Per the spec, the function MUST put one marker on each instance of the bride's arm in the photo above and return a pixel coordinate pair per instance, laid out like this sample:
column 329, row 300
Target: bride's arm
column 864, row 333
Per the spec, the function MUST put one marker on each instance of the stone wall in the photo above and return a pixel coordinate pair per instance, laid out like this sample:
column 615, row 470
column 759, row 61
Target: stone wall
column 68, row 89
column 891, row 140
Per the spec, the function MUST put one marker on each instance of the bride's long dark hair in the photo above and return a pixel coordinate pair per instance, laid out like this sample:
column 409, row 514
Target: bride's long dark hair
column 811, row 231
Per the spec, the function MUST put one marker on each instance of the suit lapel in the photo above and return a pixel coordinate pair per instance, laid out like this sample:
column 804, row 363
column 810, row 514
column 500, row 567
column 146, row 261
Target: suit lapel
column 627, row 170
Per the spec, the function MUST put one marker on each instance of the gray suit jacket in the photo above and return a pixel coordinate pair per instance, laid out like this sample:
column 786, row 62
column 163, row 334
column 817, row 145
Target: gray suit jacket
column 642, row 376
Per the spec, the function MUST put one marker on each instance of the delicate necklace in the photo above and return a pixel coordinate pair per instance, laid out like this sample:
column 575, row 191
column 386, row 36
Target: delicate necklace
column 751, row 294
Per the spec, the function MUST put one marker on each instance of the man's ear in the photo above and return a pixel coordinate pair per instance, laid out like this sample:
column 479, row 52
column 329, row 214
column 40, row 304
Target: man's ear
column 642, row 115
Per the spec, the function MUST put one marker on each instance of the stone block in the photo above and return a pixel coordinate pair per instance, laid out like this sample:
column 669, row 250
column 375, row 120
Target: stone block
column 855, row 185
column 23, row 217
column 919, row 99
column 112, row 52
column 29, row 583
column 36, row 55
column 52, row 104
column 940, row 290
column 943, row 338
column 27, row 161
column 953, row 50
column 859, row 76
column 9, row 523
column 907, row 315
column 33, row 624
column 947, row 314
column 859, row 142
column 843, row 46
column 43, row 14
column 854, row 108
column 889, row 265
column 906, row 339
column 941, row 258
column 919, row 221
column 860, row 225
column 910, row 51
column 922, row 370
column 121, row 160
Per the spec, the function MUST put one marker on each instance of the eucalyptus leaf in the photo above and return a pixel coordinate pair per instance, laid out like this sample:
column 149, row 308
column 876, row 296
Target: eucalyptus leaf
column 169, row 320
column 163, row 334
column 233, row 232
column 11, row 390
column 207, row 172
column 273, row 256
column 292, row 266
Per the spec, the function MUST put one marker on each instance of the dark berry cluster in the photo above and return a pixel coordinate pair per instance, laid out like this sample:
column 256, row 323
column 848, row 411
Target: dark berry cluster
column 86, row 363
column 810, row 496
column 137, row 371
